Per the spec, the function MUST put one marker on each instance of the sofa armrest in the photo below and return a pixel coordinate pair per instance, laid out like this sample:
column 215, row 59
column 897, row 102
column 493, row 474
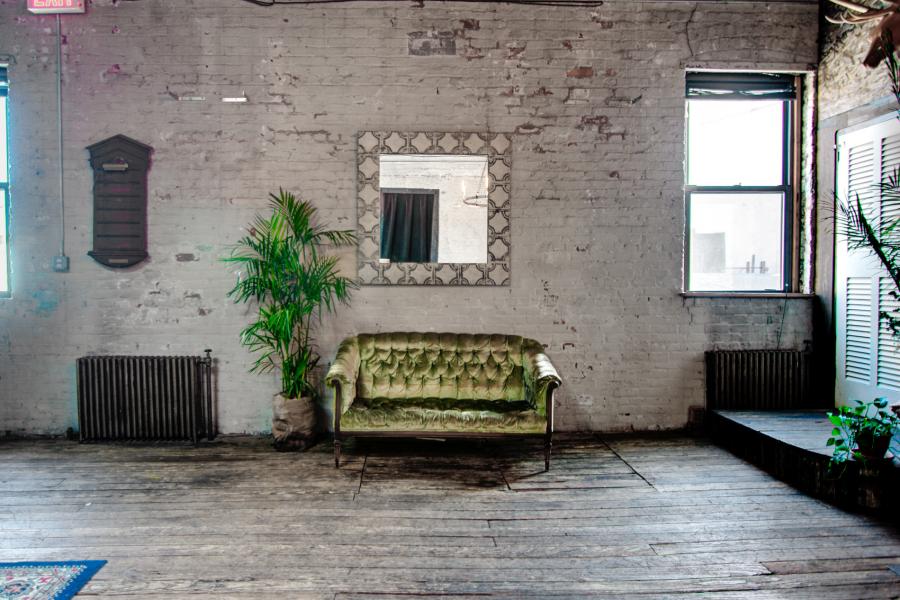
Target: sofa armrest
column 541, row 377
column 343, row 373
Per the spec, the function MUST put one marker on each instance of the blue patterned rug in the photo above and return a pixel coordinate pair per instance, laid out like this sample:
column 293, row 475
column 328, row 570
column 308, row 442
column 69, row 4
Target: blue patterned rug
column 45, row 580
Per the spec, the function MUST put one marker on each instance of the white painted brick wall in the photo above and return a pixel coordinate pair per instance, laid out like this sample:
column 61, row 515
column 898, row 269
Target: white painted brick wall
column 597, row 204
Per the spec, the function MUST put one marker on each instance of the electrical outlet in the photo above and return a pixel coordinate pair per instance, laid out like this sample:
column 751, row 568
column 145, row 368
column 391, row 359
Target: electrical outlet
column 61, row 263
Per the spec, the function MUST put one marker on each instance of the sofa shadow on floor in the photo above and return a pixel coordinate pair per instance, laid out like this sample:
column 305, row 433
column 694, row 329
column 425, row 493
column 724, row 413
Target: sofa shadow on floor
column 502, row 465
column 450, row 463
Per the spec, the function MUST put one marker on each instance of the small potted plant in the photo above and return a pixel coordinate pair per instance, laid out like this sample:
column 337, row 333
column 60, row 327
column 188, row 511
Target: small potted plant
column 293, row 285
column 862, row 432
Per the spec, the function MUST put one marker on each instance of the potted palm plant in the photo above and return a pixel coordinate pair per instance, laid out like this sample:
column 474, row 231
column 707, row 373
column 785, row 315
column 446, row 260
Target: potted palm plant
column 283, row 271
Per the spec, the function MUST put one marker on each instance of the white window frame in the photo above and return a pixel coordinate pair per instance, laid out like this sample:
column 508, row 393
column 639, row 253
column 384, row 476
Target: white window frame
column 4, row 184
column 750, row 87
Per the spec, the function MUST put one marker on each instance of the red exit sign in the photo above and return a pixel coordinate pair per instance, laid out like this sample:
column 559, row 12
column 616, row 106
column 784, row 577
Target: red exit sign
column 56, row 7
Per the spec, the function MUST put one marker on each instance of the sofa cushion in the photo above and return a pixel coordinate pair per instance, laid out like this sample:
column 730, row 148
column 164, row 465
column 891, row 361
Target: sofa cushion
column 411, row 366
column 463, row 404
column 409, row 417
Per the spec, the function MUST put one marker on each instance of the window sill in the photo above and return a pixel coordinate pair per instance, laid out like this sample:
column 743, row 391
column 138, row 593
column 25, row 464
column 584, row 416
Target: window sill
column 776, row 295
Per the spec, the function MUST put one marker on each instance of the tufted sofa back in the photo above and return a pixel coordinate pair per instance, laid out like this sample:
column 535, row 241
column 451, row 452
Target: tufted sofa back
column 404, row 366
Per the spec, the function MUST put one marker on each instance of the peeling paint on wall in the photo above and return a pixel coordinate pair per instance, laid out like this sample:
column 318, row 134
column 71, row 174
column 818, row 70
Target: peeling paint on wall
column 46, row 302
column 596, row 109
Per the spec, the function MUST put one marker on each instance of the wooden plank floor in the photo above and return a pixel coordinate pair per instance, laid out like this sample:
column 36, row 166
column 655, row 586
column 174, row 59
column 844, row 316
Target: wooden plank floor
column 627, row 517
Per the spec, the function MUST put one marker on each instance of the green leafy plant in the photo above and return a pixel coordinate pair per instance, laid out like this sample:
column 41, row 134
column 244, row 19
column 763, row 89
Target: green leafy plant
column 864, row 233
column 293, row 284
column 861, row 432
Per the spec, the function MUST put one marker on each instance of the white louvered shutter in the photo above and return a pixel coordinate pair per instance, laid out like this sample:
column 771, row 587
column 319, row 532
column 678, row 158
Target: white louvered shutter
column 868, row 357
column 888, row 348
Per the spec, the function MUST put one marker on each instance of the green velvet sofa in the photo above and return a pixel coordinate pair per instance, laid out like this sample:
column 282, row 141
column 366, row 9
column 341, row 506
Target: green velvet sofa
column 442, row 385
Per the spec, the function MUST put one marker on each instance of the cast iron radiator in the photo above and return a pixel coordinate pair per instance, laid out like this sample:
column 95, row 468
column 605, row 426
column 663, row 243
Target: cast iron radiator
column 145, row 398
column 759, row 380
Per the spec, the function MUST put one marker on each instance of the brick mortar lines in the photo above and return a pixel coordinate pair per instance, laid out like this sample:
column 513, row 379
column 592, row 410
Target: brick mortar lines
column 597, row 223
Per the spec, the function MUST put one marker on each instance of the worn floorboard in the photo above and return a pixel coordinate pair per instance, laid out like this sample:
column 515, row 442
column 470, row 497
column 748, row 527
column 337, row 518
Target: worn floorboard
column 624, row 517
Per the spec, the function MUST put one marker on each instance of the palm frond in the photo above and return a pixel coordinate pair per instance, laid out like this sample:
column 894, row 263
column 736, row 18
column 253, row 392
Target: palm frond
column 283, row 272
column 890, row 61
column 863, row 232
column 344, row 237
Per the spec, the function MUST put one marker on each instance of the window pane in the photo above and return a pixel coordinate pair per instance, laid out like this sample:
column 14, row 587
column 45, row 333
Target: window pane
column 3, row 162
column 4, row 179
column 4, row 276
column 735, row 142
column 736, row 242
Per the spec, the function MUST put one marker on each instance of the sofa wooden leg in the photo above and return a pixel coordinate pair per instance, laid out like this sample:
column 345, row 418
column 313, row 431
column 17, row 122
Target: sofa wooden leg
column 548, row 445
column 337, row 454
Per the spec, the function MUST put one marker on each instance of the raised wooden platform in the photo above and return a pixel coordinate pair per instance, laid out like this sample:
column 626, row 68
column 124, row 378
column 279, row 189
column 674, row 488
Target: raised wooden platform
column 792, row 446
column 617, row 517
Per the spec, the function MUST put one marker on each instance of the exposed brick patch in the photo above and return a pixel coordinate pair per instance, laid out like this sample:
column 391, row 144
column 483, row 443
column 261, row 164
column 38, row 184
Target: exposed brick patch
column 528, row 128
column 111, row 72
column 471, row 24
column 185, row 257
column 578, row 96
column 473, row 53
column 616, row 100
column 601, row 124
column 591, row 121
column 604, row 23
column 515, row 49
column 580, row 72
column 432, row 43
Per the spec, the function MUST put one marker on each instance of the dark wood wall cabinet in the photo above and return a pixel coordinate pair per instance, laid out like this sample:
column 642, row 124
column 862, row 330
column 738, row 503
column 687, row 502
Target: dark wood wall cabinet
column 120, row 166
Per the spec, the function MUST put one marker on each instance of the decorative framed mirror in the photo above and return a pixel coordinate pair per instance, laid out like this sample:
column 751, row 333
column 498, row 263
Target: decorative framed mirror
column 433, row 208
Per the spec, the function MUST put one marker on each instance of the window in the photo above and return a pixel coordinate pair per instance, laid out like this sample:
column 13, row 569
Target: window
column 4, row 185
column 739, row 192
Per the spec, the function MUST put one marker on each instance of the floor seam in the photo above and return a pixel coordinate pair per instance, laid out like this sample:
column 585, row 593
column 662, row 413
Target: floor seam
column 628, row 464
column 362, row 473
column 506, row 481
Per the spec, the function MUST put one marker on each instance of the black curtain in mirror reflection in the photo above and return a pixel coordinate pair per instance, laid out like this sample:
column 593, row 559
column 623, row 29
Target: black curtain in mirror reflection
column 408, row 227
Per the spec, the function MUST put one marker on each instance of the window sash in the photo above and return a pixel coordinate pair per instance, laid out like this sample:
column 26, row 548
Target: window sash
column 4, row 206
column 787, row 226
column 787, row 141
column 739, row 86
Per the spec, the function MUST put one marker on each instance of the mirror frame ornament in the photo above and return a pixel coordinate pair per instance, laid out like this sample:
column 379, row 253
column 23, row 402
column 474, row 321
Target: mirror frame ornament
column 497, row 147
